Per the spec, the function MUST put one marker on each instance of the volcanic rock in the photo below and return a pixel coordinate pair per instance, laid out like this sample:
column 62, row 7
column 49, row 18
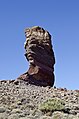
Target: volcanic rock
column 40, row 55
column 27, row 101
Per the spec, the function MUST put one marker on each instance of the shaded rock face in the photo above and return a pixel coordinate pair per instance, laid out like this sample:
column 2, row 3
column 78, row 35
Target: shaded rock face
column 40, row 55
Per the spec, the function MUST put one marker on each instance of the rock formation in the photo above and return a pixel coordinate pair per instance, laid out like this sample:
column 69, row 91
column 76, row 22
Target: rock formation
column 40, row 55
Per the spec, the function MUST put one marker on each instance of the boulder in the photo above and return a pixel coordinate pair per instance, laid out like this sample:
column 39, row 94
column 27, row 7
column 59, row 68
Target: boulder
column 40, row 55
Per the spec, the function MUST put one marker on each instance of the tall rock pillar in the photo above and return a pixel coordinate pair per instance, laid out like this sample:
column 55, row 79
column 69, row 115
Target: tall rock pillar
column 40, row 55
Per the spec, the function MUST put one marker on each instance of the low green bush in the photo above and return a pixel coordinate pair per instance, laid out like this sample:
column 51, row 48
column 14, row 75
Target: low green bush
column 53, row 104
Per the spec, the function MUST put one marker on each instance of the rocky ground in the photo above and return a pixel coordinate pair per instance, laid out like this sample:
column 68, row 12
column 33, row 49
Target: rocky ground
column 20, row 100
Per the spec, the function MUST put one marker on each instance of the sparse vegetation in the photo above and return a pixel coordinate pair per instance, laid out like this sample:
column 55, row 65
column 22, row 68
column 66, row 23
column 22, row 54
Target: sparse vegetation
column 54, row 104
column 26, row 101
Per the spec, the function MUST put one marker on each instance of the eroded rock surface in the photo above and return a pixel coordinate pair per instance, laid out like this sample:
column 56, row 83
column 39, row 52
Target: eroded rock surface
column 40, row 55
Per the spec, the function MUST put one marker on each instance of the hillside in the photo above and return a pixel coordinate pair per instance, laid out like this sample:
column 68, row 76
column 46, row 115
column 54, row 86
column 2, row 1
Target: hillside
column 20, row 100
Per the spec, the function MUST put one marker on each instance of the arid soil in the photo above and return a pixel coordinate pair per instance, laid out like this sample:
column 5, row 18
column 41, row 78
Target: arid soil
column 20, row 100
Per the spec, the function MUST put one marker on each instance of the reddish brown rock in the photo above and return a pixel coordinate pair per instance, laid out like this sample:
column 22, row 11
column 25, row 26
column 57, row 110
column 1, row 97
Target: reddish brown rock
column 40, row 55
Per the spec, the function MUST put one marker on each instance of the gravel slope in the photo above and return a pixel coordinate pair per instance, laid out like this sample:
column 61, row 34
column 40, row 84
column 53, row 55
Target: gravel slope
column 20, row 100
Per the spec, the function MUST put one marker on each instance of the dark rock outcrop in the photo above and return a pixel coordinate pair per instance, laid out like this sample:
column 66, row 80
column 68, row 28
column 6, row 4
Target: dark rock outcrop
column 40, row 55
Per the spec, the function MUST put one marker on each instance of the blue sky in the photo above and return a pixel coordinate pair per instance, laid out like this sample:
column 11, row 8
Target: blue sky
column 59, row 17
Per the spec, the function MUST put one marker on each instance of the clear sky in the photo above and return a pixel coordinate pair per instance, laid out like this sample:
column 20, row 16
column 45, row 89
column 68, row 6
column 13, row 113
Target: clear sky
column 59, row 17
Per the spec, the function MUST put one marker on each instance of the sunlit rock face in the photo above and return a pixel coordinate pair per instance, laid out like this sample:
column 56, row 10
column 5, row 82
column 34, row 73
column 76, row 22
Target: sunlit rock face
column 40, row 55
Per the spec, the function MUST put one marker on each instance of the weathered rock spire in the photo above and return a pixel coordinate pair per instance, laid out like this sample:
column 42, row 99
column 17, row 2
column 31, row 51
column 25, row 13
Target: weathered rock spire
column 40, row 55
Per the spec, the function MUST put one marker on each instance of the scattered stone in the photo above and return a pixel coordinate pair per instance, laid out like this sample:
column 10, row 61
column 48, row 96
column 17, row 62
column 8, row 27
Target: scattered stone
column 16, row 111
column 22, row 101
column 13, row 116
column 3, row 116
column 2, row 109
